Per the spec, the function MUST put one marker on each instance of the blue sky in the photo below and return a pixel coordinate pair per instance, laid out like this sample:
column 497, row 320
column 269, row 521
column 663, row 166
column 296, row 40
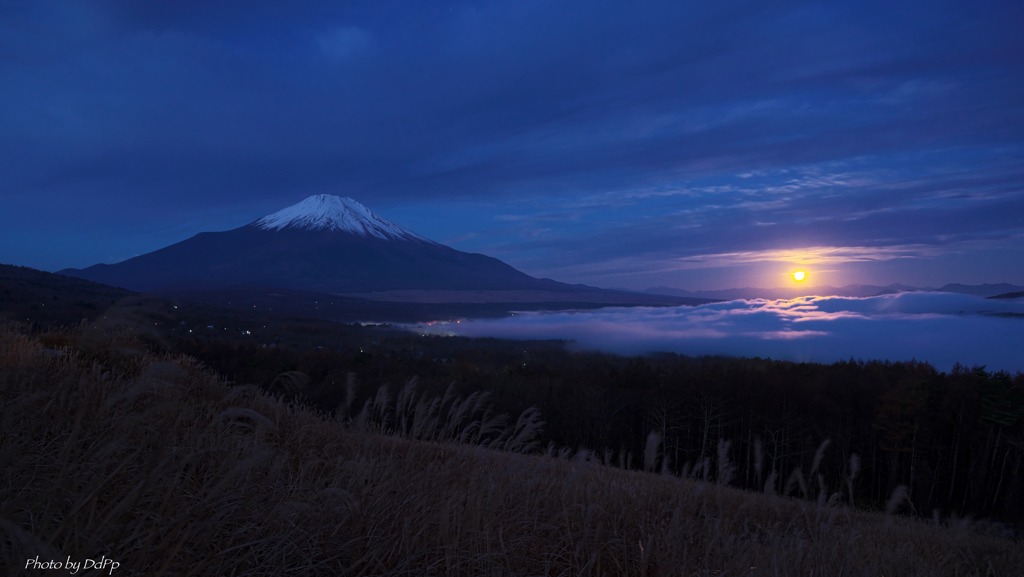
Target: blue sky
column 695, row 145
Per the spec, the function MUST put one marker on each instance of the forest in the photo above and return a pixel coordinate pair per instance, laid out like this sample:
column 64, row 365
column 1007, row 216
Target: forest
column 952, row 442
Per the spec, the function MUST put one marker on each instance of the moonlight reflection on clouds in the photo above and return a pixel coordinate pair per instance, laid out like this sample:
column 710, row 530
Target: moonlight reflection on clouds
column 940, row 328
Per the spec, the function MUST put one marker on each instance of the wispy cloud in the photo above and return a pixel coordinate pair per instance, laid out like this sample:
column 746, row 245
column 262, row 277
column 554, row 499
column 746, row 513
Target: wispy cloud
column 814, row 255
column 653, row 263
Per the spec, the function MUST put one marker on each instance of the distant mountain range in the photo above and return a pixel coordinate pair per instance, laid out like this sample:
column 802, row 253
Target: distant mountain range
column 853, row 290
column 1013, row 295
column 333, row 245
column 982, row 290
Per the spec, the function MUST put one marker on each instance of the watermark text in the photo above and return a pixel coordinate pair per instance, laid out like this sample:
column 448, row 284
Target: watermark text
column 73, row 567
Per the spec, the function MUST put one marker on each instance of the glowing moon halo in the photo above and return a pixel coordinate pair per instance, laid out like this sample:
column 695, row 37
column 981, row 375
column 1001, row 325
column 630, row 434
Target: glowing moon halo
column 799, row 275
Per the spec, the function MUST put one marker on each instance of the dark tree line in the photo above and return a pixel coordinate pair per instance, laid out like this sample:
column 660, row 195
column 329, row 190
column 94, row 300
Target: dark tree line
column 851, row 430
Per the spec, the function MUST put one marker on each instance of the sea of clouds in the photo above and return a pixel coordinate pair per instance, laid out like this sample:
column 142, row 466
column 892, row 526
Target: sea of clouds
column 941, row 328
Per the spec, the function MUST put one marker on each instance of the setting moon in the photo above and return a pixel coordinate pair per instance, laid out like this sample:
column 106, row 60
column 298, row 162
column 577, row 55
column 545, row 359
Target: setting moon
column 799, row 275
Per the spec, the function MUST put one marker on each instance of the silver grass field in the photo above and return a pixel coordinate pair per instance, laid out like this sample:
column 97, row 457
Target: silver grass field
column 166, row 468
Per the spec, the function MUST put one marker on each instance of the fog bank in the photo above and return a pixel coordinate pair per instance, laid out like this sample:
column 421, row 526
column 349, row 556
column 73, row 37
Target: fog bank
column 941, row 328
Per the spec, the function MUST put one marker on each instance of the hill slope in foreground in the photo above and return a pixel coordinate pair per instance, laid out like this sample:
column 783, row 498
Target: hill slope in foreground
column 160, row 466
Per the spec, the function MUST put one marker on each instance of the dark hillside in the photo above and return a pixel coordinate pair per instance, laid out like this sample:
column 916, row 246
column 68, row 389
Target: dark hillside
column 1014, row 295
column 156, row 465
column 33, row 296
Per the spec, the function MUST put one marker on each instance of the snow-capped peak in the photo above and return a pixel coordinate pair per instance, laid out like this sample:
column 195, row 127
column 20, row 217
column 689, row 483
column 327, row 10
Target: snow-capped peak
column 330, row 212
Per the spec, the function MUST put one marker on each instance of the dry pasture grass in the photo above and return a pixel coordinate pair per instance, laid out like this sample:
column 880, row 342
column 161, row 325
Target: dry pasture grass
column 160, row 465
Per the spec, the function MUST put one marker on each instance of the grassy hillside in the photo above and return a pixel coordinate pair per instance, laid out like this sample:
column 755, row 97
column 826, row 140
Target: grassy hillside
column 153, row 461
column 28, row 295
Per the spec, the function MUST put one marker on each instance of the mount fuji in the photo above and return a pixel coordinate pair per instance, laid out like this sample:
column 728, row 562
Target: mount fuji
column 334, row 213
column 325, row 243
column 335, row 245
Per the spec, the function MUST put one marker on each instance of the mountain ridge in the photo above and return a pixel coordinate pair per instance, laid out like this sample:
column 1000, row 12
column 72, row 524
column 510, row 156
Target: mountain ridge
column 982, row 290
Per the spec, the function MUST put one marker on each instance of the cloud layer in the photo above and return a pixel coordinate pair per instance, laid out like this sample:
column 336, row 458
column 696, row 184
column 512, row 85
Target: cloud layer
column 940, row 328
